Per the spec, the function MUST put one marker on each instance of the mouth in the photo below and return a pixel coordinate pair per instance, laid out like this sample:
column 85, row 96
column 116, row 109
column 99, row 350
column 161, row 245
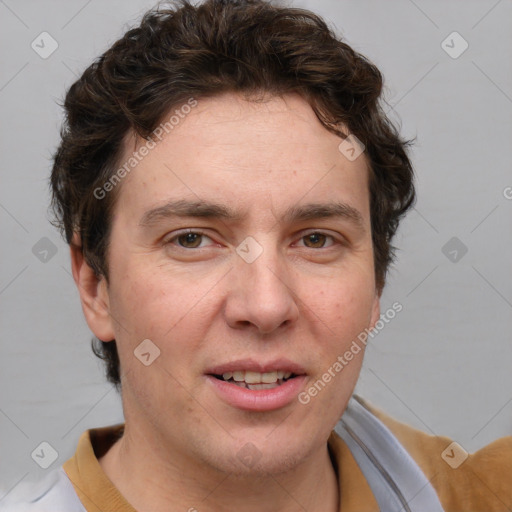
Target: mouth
column 256, row 380
column 254, row 386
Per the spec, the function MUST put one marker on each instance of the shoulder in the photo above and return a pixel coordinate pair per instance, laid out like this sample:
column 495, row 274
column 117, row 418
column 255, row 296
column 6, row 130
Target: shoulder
column 463, row 481
column 52, row 493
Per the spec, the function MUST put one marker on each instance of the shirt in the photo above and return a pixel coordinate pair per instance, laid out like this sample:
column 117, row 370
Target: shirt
column 479, row 482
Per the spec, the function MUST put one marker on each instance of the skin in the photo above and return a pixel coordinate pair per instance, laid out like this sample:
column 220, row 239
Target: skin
column 304, row 298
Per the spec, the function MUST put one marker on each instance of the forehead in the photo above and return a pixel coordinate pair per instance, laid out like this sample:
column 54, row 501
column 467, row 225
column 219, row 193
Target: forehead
column 274, row 149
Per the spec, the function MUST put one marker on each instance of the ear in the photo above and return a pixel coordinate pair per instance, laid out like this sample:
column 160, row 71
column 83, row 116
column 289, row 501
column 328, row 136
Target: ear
column 375, row 311
column 93, row 293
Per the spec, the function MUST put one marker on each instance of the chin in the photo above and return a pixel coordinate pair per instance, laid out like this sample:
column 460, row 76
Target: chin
column 259, row 459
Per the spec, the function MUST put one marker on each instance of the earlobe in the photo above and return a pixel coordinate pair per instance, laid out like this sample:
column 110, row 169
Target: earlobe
column 93, row 293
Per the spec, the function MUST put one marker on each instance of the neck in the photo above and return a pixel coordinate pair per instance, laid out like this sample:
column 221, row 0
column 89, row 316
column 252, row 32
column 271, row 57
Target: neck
column 152, row 479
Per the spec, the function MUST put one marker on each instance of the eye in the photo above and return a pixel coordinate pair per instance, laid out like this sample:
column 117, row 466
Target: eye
column 189, row 240
column 317, row 240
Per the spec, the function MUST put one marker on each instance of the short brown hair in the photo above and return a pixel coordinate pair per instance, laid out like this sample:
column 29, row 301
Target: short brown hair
column 183, row 51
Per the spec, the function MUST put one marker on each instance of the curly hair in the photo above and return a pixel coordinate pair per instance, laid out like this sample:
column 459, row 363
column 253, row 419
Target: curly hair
column 183, row 51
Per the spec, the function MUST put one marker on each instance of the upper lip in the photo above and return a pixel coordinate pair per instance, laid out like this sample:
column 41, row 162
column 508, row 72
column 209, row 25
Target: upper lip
column 257, row 366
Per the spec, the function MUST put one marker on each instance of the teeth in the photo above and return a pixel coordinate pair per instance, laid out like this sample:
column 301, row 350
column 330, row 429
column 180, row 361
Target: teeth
column 239, row 376
column 252, row 378
column 262, row 386
column 269, row 377
column 257, row 386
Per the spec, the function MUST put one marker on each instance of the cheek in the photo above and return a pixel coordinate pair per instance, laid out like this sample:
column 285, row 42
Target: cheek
column 346, row 304
column 345, row 312
column 152, row 300
column 172, row 311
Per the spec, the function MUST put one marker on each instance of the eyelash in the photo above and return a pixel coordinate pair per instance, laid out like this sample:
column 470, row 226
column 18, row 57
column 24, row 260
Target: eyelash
column 201, row 233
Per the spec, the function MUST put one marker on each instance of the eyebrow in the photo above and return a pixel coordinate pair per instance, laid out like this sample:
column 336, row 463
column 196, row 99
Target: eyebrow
column 210, row 210
column 184, row 208
column 315, row 211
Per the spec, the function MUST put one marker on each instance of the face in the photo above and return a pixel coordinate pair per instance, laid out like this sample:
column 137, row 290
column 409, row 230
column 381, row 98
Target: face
column 241, row 247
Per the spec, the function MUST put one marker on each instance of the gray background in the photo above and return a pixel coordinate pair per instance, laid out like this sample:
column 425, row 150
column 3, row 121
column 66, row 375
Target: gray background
column 443, row 364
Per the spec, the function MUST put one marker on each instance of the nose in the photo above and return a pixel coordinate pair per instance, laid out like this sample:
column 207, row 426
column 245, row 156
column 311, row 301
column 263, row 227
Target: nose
column 261, row 295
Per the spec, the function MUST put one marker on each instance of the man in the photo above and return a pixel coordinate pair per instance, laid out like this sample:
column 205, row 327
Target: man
column 230, row 188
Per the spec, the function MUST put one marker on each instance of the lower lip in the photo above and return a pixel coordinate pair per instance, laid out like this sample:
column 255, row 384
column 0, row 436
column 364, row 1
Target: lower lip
column 260, row 399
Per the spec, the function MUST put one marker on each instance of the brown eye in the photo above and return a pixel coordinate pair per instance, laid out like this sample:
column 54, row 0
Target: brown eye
column 190, row 240
column 315, row 240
